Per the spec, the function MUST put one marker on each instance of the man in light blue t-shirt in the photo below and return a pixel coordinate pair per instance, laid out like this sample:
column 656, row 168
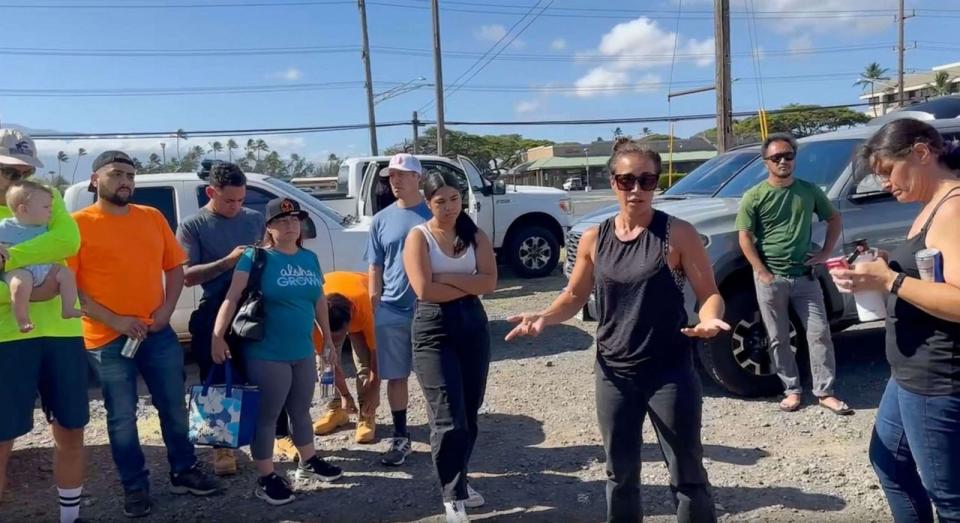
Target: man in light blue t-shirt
column 393, row 299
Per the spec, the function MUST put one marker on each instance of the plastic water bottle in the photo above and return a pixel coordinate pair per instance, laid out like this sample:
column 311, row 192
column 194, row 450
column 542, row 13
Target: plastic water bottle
column 326, row 382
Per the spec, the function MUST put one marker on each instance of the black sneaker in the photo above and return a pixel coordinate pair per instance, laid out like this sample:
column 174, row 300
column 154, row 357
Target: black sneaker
column 194, row 481
column 399, row 450
column 316, row 468
column 136, row 504
column 274, row 490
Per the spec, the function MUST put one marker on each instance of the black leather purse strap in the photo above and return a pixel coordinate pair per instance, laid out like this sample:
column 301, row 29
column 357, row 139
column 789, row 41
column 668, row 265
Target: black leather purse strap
column 256, row 271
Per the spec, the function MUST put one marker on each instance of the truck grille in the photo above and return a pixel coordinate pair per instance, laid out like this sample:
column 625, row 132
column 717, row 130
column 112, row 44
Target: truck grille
column 571, row 244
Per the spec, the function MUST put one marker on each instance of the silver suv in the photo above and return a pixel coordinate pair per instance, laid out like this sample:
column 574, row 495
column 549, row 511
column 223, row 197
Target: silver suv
column 709, row 199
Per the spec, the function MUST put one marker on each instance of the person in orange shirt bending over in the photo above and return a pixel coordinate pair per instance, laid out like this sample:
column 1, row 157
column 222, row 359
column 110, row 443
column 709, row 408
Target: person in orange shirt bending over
column 130, row 273
column 351, row 315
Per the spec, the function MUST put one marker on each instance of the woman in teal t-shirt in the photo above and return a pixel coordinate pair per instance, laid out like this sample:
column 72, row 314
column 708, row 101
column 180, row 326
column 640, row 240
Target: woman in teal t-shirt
column 283, row 364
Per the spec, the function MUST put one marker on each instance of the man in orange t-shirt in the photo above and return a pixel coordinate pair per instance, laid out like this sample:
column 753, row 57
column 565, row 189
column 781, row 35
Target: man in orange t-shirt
column 130, row 273
column 351, row 315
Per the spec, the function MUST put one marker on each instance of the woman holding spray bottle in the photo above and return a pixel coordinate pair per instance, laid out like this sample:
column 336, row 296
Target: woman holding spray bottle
column 915, row 447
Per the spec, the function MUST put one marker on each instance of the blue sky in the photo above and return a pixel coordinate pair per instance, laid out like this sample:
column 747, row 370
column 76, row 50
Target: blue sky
column 580, row 59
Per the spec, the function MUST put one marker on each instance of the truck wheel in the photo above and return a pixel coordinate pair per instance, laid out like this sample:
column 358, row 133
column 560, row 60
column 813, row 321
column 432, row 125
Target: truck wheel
column 739, row 360
column 533, row 252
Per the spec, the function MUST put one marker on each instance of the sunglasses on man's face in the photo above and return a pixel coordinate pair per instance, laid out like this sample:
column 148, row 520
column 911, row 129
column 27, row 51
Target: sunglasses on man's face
column 646, row 181
column 777, row 158
column 14, row 174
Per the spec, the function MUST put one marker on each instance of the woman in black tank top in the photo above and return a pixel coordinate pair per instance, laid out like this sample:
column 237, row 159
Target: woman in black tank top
column 915, row 448
column 637, row 264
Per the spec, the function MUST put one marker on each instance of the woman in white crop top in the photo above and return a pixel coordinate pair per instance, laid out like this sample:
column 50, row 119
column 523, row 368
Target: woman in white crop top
column 450, row 262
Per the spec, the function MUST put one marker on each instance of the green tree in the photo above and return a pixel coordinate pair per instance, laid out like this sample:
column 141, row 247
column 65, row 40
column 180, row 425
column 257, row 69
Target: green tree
column 486, row 151
column 154, row 163
column 231, row 146
column 215, row 147
column 273, row 165
column 871, row 74
column 942, row 83
column 261, row 147
column 62, row 158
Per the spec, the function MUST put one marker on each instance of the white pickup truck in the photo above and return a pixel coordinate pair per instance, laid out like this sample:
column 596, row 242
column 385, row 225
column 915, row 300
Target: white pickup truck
column 531, row 220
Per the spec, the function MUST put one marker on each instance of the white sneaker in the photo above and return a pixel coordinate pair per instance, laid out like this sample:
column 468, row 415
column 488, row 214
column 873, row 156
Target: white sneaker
column 474, row 499
column 455, row 512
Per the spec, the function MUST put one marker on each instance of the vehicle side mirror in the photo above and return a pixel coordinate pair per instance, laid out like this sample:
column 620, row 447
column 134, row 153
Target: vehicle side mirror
column 499, row 187
column 309, row 229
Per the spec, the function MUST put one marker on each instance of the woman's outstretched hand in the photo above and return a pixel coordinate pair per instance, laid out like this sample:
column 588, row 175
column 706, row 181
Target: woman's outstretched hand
column 528, row 324
column 706, row 329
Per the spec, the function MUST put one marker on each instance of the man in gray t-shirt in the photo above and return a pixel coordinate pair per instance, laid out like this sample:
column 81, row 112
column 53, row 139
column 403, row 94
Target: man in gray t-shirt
column 214, row 239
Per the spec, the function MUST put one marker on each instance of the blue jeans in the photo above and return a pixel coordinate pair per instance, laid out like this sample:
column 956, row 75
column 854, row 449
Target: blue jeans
column 915, row 450
column 160, row 361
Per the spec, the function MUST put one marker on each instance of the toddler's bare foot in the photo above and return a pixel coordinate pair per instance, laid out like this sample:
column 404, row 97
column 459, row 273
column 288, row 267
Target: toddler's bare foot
column 70, row 312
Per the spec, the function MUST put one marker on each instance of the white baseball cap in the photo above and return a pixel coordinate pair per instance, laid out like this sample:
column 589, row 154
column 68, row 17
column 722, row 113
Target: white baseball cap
column 402, row 162
column 17, row 148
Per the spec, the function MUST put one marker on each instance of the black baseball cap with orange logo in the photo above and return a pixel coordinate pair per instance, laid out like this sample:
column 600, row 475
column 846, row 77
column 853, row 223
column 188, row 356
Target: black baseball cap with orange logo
column 280, row 207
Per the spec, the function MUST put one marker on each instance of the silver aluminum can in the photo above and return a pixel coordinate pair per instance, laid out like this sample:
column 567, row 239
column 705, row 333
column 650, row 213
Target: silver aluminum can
column 129, row 349
column 927, row 263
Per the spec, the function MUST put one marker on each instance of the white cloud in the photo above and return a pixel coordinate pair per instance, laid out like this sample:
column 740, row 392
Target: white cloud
column 649, row 83
column 290, row 74
column 527, row 106
column 824, row 16
column 638, row 45
column 601, row 81
column 491, row 33
column 800, row 45
column 559, row 44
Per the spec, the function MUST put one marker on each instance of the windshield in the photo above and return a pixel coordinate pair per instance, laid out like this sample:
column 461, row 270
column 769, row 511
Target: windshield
column 709, row 176
column 306, row 199
column 819, row 162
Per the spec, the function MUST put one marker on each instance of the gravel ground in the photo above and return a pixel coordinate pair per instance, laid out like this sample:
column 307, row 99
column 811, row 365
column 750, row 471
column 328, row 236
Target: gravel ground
column 539, row 455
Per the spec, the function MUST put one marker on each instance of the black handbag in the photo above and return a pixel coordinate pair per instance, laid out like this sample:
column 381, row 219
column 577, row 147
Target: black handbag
column 248, row 322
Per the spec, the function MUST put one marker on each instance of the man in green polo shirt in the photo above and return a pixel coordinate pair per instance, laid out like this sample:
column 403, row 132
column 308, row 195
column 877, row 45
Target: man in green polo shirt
column 775, row 223
column 50, row 359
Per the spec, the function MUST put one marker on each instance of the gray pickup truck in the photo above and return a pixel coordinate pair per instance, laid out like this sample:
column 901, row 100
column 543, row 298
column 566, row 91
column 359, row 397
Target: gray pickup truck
column 709, row 198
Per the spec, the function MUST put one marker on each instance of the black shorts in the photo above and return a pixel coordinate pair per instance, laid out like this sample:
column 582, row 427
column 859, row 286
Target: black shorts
column 57, row 369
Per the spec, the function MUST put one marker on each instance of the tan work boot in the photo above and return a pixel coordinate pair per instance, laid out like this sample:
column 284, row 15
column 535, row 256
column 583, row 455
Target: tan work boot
column 224, row 462
column 283, row 448
column 366, row 429
column 330, row 420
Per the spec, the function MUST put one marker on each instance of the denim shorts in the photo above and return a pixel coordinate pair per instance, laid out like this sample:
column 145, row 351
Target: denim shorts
column 394, row 348
column 54, row 368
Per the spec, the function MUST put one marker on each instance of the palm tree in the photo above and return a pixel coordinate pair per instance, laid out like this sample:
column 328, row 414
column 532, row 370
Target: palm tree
column 231, row 146
column 163, row 152
column 942, row 83
column 215, row 147
column 870, row 76
column 62, row 158
column 261, row 147
column 181, row 135
column 645, row 131
column 81, row 152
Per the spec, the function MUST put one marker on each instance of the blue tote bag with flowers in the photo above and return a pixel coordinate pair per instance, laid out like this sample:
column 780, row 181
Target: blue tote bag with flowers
column 223, row 416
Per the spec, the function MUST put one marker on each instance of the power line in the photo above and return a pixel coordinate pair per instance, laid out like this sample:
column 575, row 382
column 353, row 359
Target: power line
column 174, row 5
column 281, row 88
column 485, row 54
column 424, row 52
column 344, row 127
column 494, row 57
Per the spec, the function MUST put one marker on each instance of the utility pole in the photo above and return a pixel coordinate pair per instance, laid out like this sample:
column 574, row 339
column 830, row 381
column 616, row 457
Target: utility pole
column 416, row 132
column 361, row 4
column 438, row 74
column 900, row 51
column 723, row 81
